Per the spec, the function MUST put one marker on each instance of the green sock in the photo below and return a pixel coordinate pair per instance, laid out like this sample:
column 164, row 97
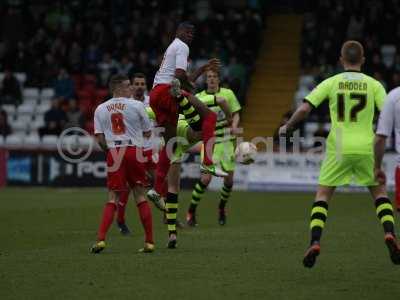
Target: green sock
column 319, row 213
column 197, row 193
column 225, row 194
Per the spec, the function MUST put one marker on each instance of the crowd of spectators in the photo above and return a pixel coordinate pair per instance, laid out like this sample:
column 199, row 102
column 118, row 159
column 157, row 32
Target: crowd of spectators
column 60, row 43
column 327, row 24
column 373, row 23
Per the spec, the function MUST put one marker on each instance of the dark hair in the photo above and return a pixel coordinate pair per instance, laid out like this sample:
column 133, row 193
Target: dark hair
column 138, row 75
column 352, row 52
column 115, row 81
column 185, row 25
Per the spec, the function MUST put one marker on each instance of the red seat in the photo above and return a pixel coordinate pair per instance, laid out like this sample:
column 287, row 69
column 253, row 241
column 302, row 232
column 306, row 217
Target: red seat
column 78, row 81
column 89, row 79
column 84, row 94
column 101, row 95
column 89, row 127
column 85, row 106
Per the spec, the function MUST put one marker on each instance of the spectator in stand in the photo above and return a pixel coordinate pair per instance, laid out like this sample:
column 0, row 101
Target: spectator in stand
column 54, row 119
column 5, row 128
column 64, row 85
column 355, row 28
column 125, row 66
column 75, row 116
column 237, row 74
column 75, row 57
column 106, row 67
column 11, row 90
column 92, row 56
column 46, row 37
column 395, row 81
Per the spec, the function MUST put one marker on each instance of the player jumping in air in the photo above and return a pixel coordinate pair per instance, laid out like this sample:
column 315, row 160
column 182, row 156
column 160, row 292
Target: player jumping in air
column 389, row 120
column 120, row 125
column 224, row 149
column 167, row 107
column 166, row 100
column 352, row 98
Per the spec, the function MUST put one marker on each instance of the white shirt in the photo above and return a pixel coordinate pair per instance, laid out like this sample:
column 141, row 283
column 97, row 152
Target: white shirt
column 176, row 57
column 154, row 142
column 389, row 118
column 122, row 120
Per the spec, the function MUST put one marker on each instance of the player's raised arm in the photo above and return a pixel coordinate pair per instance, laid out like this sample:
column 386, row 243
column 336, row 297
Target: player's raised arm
column 213, row 64
column 299, row 115
column 312, row 100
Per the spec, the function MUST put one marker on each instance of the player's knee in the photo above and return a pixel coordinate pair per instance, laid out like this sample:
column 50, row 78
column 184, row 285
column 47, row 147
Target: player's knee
column 228, row 182
column 113, row 197
column 205, row 179
column 324, row 193
column 378, row 191
column 140, row 199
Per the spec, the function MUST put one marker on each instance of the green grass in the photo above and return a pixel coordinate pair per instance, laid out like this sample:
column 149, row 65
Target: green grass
column 45, row 235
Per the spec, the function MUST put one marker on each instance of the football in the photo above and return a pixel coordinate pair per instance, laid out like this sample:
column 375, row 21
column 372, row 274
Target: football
column 245, row 153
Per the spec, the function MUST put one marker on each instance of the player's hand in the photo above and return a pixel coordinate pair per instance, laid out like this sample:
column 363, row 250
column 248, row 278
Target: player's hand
column 229, row 119
column 236, row 131
column 283, row 130
column 213, row 64
column 380, row 176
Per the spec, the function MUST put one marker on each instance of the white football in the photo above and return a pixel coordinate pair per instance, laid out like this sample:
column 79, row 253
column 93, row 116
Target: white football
column 245, row 153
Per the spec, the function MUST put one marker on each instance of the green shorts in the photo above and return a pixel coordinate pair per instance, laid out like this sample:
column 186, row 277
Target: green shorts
column 224, row 155
column 183, row 144
column 348, row 168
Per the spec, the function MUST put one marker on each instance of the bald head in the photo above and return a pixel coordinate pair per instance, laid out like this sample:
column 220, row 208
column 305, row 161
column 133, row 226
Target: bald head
column 352, row 53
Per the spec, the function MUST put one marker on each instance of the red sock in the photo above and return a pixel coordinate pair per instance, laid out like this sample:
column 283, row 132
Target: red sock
column 108, row 216
column 147, row 221
column 123, row 200
column 161, row 171
column 397, row 186
column 208, row 128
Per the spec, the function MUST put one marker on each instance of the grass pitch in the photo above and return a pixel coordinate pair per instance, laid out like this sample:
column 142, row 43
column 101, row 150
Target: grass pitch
column 45, row 235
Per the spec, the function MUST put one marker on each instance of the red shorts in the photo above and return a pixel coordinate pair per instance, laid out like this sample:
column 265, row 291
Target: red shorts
column 164, row 105
column 124, row 168
column 149, row 164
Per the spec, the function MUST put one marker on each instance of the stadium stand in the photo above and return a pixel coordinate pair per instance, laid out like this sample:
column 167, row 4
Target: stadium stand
column 58, row 52
column 373, row 23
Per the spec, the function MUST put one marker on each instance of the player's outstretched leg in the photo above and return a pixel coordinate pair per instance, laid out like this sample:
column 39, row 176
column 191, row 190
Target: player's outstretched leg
column 196, row 111
column 319, row 213
column 123, row 228
column 384, row 211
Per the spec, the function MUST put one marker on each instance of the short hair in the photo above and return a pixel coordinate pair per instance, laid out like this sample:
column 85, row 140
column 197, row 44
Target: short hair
column 138, row 75
column 185, row 25
column 352, row 52
column 115, row 81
